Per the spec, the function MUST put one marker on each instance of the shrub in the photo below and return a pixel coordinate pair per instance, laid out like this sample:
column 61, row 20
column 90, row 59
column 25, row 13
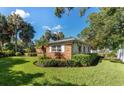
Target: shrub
column 111, row 54
column 30, row 54
column 27, row 50
column 81, row 59
column 18, row 54
column 1, row 54
column 76, row 61
column 53, row 63
column 26, row 54
column 42, row 57
column 9, row 53
column 84, row 59
column 8, row 46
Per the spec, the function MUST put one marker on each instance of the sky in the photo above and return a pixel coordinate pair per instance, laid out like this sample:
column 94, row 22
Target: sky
column 44, row 18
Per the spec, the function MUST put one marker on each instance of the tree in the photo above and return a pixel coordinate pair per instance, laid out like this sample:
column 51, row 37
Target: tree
column 59, row 11
column 27, row 33
column 42, row 43
column 57, row 36
column 15, row 23
column 47, row 35
column 106, row 29
column 3, row 30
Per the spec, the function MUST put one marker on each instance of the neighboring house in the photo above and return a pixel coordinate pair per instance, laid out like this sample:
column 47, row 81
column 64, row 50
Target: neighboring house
column 65, row 48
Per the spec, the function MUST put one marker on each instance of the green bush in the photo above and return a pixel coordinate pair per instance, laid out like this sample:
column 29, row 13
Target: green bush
column 27, row 50
column 76, row 61
column 9, row 53
column 30, row 54
column 53, row 63
column 42, row 58
column 18, row 54
column 85, row 59
column 81, row 59
column 8, row 46
column 111, row 54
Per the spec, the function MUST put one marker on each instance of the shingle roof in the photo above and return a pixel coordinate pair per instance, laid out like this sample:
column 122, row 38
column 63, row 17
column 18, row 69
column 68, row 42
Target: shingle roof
column 63, row 40
column 66, row 40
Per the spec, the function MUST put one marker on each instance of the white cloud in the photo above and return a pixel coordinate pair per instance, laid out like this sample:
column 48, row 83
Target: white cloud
column 46, row 28
column 22, row 13
column 55, row 28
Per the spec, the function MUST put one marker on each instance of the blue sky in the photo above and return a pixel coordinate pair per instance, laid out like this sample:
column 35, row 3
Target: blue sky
column 43, row 18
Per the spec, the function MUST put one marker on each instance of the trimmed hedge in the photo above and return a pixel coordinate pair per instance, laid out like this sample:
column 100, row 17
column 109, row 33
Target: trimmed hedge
column 77, row 60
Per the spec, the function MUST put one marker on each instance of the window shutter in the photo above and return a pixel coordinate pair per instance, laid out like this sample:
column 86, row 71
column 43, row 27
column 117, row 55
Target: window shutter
column 50, row 48
column 63, row 48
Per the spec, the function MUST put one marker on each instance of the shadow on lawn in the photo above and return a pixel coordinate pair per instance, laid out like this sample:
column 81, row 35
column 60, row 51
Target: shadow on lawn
column 9, row 77
column 97, row 61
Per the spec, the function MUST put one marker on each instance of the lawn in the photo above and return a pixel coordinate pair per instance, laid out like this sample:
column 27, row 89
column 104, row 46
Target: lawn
column 21, row 71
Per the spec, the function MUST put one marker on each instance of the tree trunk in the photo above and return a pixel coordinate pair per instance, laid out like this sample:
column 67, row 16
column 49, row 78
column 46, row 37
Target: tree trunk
column 1, row 46
column 16, row 40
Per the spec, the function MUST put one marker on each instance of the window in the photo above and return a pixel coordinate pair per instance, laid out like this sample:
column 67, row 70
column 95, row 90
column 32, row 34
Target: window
column 57, row 48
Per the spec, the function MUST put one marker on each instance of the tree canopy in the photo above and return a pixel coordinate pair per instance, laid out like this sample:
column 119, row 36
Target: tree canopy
column 106, row 29
column 12, row 28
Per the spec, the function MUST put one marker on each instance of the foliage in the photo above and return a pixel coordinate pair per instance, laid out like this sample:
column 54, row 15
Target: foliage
column 53, row 63
column 8, row 46
column 41, row 42
column 4, row 35
column 85, row 59
column 8, row 53
column 105, row 29
column 111, row 55
column 13, row 25
column 27, row 33
column 77, row 60
column 42, row 58
column 57, row 36
column 31, row 54
column 27, row 50
column 18, row 53
column 59, row 11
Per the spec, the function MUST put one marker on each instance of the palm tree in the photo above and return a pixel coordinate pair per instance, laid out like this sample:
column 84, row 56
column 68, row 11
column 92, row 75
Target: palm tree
column 47, row 35
column 15, row 23
column 61, row 35
column 42, row 43
column 57, row 36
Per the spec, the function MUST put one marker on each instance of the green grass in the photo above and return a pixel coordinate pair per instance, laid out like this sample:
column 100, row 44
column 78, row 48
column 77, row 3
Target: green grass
column 21, row 71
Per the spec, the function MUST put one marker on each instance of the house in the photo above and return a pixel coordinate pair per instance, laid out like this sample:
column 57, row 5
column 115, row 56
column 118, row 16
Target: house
column 65, row 48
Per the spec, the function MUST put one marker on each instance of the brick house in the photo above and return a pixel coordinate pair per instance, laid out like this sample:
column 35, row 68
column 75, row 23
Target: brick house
column 65, row 48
